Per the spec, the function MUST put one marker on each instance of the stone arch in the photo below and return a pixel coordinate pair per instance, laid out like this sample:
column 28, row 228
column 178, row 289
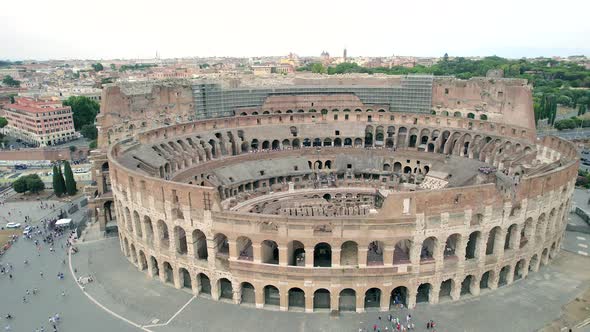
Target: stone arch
column 155, row 268
column 221, row 244
column 225, row 289
column 163, row 236
column 447, row 288
column 322, row 255
column 511, row 236
column 471, row 251
column 429, row 247
column 271, row 296
column 468, row 285
column 245, row 249
column 133, row 253
column 451, row 245
column 149, row 230
column 349, row 254
column 180, row 238
column 137, row 224
column 399, row 296
column 486, row 279
column 143, row 264
column 270, row 252
column 128, row 221
column 401, row 252
column 296, row 299
column 520, row 269
column 296, row 253
column 248, row 293
column 200, row 245
column 503, row 276
column 375, row 253
column 373, row 298
column 185, row 278
column 494, row 238
column 168, row 275
column 347, row 300
column 321, row 299
column 423, row 293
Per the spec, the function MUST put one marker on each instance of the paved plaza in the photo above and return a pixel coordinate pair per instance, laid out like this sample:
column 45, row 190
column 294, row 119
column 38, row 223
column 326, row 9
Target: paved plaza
column 121, row 298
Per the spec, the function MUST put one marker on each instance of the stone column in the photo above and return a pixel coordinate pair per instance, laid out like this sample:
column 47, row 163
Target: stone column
column 515, row 240
column 388, row 255
column 150, row 266
column 384, row 302
column 309, row 257
column 475, row 290
column 211, row 253
column 456, row 291
column 411, row 297
column 362, row 257
column 257, row 252
column 190, row 245
column 494, row 279
column 195, row 284
column 283, row 257
column 336, row 257
column 461, row 250
column 360, row 302
column 214, row 289
column 233, row 250
column 434, row 293
column 499, row 244
column 510, row 276
column 284, row 299
column 480, row 251
column 237, row 295
column 176, row 277
column 334, row 300
column 308, row 302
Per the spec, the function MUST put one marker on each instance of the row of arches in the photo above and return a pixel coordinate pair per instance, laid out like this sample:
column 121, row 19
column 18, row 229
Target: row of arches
column 346, row 299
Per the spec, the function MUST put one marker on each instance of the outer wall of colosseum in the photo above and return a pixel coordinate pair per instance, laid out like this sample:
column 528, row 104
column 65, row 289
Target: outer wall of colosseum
column 433, row 245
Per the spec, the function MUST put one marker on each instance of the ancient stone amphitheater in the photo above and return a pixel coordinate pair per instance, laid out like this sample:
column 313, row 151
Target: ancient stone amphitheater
column 348, row 193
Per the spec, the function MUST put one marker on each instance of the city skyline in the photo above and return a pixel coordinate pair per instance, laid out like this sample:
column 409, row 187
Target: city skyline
column 60, row 30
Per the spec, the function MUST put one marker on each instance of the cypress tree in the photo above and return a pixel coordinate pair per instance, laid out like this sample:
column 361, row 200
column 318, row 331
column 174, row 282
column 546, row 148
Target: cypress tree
column 61, row 183
column 55, row 178
column 69, row 179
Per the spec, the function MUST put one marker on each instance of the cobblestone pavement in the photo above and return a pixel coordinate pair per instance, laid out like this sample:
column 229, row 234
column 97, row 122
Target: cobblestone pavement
column 526, row 305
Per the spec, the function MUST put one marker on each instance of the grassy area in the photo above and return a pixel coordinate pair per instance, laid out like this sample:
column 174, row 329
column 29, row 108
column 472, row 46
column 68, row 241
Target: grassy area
column 6, row 234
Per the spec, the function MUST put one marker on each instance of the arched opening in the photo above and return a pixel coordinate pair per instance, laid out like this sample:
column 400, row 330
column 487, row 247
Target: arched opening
column 466, row 285
column 317, row 142
column 286, row 144
column 270, row 252
column 221, row 245
column 373, row 299
column 275, row 145
column 180, row 237
column 484, row 282
column 200, row 245
column 163, row 235
column 472, row 244
column 248, row 293
column 322, row 255
column 296, row 299
column 337, row 142
column 503, row 278
column 358, row 142
column 185, row 279
column 321, row 299
column 155, row 268
column 519, row 269
column 137, row 224
column 149, row 230
column 511, row 237
column 143, row 265
column 428, row 247
column 168, row 273
column 245, row 250
column 375, row 253
column 451, row 245
column 225, row 289
column 401, row 252
column 296, row 253
column 423, row 294
column 347, row 300
column 446, row 288
column 349, row 254
column 494, row 236
column 533, row 264
column 347, row 142
column 397, row 167
column 133, row 254
column 271, row 296
column 399, row 297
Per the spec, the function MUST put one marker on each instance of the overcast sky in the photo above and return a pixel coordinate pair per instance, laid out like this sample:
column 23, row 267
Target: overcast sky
column 105, row 29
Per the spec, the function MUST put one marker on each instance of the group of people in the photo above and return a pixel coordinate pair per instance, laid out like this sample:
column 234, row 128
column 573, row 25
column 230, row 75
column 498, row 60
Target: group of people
column 394, row 324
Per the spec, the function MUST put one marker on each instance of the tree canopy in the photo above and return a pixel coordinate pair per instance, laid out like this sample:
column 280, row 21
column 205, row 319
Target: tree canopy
column 3, row 122
column 9, row 81
column 97, row 67
column 84, row 110
column 31, row 183
column 69, row 178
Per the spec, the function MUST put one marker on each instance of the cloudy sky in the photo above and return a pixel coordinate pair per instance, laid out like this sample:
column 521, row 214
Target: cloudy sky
column 67, row 29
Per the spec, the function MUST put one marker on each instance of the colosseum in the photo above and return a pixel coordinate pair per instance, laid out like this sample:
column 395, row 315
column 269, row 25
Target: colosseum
column 338, row 193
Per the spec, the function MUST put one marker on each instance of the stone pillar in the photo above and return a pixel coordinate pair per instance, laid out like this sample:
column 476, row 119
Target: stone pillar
column 284, row 299
column 434, row 293
column 456, row 291
column 211, row 253
column 388, row 255
column 283, row 257
column 214, row 289
column 190, row 245
column 257, row 252
column 415, row 253
column 362, row 257
column 515, row 240
column 237, row 295
column 233, row 250
column 162, row 272
column 480, row 252
column 461, row 250
column 411, row 297
column 336, row 257
column 308, row 302
column 176, row 277
column 499, row 244
column 475, row 290
column 384, row 302
column 334, row 301
column 510, row 276
column 150, row 266
column 493, row 279
column 195, row 284
column 172, row 240
column 259, row 297
column 360, row 302
column 309, row 257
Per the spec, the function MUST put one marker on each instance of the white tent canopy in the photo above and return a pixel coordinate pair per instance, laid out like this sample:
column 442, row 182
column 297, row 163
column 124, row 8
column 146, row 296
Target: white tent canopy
column 63, row 222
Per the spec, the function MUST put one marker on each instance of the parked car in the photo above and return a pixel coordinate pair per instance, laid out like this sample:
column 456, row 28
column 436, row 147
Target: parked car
column 13, row 225
column 27, row 230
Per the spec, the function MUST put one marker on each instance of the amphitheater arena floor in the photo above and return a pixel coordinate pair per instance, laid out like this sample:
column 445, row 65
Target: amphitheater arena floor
column 526, row 305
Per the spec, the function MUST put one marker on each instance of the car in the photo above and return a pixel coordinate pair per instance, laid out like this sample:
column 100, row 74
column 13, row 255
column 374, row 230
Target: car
column 27, row 230
column 13, row 225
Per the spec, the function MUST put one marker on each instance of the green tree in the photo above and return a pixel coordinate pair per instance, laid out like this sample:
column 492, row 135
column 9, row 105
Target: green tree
column 84, row 110
column 318, row 68
column 59, row 185
column 20, row 185
column 34, row 183
column 3, row 122
column 69, row 178
column 113, row 66
column 8, row 80
column 97, row 67
column 89, row 131
column 92, row 144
